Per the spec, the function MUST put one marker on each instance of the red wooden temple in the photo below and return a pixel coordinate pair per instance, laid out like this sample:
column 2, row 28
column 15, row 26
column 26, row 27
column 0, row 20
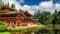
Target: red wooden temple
column 12, row 17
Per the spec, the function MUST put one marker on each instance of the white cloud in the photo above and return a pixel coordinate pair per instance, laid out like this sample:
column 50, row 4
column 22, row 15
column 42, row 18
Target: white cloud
column 46, row 4
column 43, row 6
column 57, row 6
column 25, row 7
column 28, row 8
column 17, row 5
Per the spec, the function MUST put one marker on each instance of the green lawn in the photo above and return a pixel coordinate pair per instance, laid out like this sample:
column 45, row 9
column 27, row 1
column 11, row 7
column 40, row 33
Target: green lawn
column 23, row 29
column 5, row 33
column 26, row 28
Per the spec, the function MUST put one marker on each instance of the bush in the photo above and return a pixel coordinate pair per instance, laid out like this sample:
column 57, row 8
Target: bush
column 5, row 33
column 3, row 28
column 25, row 25
column 39, row 23
column 1, row 23
column 25, row 28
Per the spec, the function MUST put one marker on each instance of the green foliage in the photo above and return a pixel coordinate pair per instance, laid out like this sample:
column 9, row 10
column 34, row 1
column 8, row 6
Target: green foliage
column 56, row 19
column 47, row 17
column 43, row 17
column 13, row 6
column 1, row 23
column 5, row 33
column 25, row 25
column 26, row 28
column 51, row 21
column 39, row 23
column 3, row 28
column 1, row 4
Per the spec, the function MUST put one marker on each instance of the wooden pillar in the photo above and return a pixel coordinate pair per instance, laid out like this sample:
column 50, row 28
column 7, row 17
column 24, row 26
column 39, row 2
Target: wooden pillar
column 10, row 24
column 16, row 23
column 31, row 22
column 5, row 23
column 28, row 22
column 20, row 23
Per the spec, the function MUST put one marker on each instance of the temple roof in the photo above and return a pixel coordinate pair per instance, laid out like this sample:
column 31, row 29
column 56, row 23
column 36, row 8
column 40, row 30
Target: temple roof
column 7, row 7
column 6, row 10
column 27, row 14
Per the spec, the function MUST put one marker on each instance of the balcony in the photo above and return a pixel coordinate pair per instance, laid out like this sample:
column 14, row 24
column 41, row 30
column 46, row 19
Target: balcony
column 11, row 18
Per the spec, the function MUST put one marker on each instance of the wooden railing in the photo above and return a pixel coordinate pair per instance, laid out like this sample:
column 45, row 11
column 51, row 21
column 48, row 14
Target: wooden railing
column 11, row 18
column 16, row 17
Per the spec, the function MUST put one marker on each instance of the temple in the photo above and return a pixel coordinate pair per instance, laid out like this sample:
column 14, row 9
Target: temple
column 12, row 17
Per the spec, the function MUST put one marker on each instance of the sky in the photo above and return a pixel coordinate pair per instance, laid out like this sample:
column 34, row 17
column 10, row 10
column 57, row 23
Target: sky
column 33, row 6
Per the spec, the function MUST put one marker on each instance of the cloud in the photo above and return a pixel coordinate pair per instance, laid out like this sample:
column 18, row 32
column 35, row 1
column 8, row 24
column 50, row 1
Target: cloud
column 57, row 6
column 28, row 8
column 25, row 7
column 17, row 4
column 43, row 6
column 46, row 4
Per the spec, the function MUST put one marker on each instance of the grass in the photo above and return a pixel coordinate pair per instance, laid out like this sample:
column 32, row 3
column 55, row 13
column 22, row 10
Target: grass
column 23, row 29
column 26, row 28
column 5, row 33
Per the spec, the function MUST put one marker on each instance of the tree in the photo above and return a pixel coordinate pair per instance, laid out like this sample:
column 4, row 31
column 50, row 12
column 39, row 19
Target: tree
column 13, row 6
column 1, row 4
column 8, row 4
column 55, row 20
column 43, row 17
column 58, row 16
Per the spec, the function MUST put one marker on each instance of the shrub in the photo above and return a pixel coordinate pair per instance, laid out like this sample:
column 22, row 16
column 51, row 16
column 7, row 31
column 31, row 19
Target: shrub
column 39, row 23
column 25, row 25
column 5, row 33
column 3, row 28
column 1, row 23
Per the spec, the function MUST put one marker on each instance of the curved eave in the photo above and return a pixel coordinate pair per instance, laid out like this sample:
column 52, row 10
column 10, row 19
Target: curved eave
column 9, row 13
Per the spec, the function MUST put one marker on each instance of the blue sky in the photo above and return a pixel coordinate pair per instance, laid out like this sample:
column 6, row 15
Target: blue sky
column 36, row 2
column 50, row 5
column 33, row 6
